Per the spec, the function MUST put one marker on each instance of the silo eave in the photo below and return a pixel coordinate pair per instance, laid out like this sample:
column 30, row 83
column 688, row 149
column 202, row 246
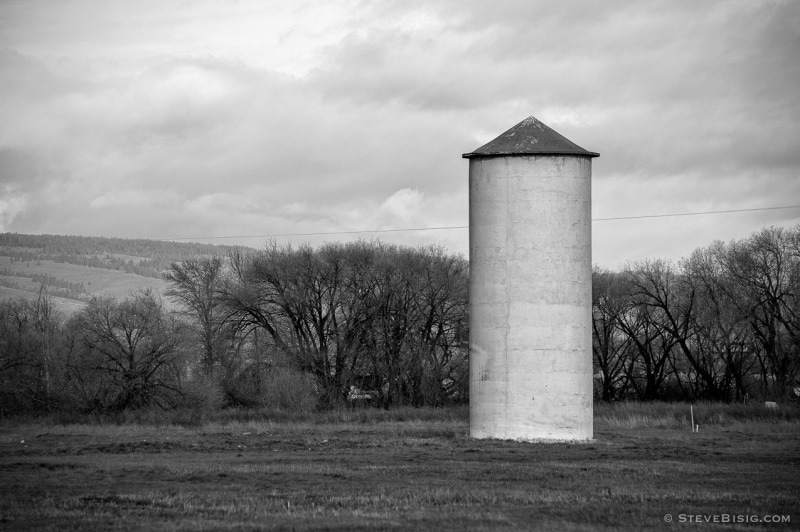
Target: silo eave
column 584, row 153
column 530, row 137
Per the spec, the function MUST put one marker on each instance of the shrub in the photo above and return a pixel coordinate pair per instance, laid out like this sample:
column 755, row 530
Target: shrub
column 288, row 389
column 273, row 388
column 202, row 392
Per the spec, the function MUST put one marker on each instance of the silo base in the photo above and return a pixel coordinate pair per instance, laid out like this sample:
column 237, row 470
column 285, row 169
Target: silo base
column 569, row 425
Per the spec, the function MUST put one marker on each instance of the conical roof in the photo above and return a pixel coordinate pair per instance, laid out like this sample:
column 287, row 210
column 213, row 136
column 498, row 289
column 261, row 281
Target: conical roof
column 530, row 137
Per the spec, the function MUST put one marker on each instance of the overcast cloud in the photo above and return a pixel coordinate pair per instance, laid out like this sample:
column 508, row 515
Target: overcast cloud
column 204, row 119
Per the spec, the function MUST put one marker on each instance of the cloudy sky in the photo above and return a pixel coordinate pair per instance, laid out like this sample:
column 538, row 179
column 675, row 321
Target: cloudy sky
column 199, row 119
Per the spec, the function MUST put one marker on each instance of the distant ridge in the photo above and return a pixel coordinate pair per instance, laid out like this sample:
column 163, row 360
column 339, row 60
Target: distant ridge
column 76, row 268
column 155, row 255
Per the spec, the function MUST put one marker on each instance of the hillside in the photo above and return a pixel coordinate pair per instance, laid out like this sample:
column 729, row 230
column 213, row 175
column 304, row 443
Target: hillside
column 75, row 268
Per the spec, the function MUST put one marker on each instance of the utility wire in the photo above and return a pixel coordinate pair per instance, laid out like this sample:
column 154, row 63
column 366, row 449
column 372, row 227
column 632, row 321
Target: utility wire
column 409, row 229
column 693, row 213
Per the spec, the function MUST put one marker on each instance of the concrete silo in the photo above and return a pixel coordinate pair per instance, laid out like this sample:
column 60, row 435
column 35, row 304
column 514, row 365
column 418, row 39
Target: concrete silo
column 530, row 244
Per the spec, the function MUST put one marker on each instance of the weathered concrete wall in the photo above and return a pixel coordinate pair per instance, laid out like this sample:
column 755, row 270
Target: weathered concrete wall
column 530, row 297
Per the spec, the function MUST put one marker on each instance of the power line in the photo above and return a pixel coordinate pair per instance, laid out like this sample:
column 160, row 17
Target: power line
column 277, row 235
column 410, row 229
column 340, row 232
column 693, row 213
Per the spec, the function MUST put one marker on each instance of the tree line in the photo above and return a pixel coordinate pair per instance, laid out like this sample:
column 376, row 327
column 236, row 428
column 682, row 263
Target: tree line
column 286, row 327
column 370, row 322
column 723, row 324
column 369, row 317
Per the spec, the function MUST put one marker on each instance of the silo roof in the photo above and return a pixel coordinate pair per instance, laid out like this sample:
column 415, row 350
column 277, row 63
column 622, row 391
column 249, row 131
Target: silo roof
column 530, row 137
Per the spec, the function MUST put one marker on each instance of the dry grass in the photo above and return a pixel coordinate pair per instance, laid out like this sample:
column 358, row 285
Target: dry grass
column 406, row 470
column 679, row 415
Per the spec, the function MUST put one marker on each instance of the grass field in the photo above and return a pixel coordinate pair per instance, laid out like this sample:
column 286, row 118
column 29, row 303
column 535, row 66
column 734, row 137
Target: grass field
column 97, row 281
column 67, row 307
column 405, row 469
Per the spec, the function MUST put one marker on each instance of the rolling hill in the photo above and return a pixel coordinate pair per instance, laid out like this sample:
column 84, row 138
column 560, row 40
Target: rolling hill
column 75, row 268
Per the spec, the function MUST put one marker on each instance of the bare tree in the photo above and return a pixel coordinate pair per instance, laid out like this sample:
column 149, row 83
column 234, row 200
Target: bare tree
column 445, row 331
column 672, row 303
column 766, row 268
column 611, row 346
column 29, row 342
column 197, row 285
column 132, row 347
column 254, row 295
column 308, row 302
column 359, row 314
column 720, row 322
